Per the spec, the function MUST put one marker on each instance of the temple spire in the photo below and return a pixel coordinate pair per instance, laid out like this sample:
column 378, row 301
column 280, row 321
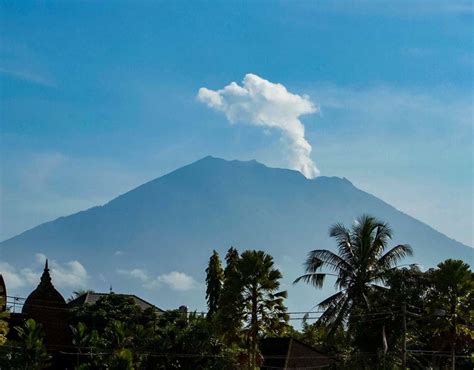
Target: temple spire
column 46, row 277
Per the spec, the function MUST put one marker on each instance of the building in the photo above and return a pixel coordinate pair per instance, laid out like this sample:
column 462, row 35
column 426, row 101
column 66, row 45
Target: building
column 3, row 295
column 48, row 307
column 93, row 297
column 289, row 353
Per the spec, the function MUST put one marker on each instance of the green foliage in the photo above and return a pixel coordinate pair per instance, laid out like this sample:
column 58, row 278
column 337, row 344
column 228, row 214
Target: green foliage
column 122, row 359
column 106, row 332
column 115, row 334
column 214, row 281
column 361, row 325
column 109, row 308
column 190, row 343
column 264, row 311
column 3, row 324
column 439, row 319
column 89, row 347
column 450, row 304
column 319, row 337
column 34, row 355
column 251, row 304
column 228, row 320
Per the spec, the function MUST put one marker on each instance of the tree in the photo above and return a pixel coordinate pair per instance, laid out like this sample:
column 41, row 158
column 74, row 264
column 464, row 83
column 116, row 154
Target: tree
column 361, row 265
column 214, row 281
column 263, row 309
column 121, row 338
column 35, row 356
column 189, row 342
column 409, row 285
column 88, row 346
column 108, row 308
column 451, row 304
column 228, row 319
column 114, row 333
column 110, row 328
column 232, row 258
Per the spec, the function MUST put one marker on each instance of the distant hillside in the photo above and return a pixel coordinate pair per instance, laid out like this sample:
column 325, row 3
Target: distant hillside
column 172, row 224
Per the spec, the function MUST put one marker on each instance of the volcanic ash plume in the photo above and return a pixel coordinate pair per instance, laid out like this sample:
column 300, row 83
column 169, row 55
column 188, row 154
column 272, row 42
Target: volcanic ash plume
column 262, row 103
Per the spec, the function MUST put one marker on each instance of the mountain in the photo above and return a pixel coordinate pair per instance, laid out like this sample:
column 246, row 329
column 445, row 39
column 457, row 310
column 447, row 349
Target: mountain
column 174, row 222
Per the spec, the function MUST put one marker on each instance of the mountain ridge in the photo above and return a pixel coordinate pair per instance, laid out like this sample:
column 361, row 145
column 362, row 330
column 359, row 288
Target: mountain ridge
column 331, row 179
column 173, row 222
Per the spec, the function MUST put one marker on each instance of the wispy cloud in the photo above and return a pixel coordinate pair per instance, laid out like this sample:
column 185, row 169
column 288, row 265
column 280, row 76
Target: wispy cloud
column 70, row 274
column 28, row 76
column 174, row 280
column 178, row 280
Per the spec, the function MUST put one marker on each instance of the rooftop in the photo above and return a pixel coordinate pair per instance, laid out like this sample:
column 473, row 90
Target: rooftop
column 93, row 297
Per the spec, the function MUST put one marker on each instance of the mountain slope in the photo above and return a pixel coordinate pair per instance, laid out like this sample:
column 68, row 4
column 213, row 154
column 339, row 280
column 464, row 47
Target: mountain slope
column 173, row 223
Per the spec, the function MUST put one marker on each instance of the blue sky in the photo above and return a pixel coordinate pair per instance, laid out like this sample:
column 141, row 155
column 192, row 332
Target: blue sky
column 99, row 97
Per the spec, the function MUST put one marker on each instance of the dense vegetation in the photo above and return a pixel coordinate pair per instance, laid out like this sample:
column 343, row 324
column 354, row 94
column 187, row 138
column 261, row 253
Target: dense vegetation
column 382, row 316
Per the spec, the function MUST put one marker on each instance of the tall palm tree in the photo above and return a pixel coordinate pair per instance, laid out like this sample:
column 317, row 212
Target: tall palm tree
column 263, row 308
column 361, row 266
column 451, row 302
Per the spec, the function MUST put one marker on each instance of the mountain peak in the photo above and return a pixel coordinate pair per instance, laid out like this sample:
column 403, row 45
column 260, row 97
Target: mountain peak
column 172, row 223
column 327, row 180
column 211, row 159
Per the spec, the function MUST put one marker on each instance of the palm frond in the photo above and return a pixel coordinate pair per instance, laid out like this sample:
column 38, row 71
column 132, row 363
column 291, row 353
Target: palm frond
column 379, row 288
column 331, row 311
column 383, row 234
column 315, row 279
column 390, row 258
column 322, row 257
column 335, row 314
column 363, row 231
column 340, row 317
column 328, row 302
column 344, row 241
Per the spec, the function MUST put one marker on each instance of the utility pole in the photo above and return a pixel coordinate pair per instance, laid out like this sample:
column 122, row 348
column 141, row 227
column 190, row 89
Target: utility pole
column 404, row 337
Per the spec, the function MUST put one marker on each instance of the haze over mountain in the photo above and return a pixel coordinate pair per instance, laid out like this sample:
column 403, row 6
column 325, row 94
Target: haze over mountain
column 155, row 240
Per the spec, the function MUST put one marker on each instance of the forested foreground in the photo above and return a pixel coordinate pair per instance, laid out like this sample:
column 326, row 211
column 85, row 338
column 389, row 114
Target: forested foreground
column 384, row 315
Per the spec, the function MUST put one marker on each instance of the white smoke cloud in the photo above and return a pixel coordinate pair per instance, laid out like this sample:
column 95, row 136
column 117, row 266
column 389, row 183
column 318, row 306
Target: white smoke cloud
column 262, row 103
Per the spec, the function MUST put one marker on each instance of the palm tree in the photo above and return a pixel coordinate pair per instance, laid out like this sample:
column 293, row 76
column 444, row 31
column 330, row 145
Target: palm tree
column 263, row 309
column 361, row 265
column 450, row 300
